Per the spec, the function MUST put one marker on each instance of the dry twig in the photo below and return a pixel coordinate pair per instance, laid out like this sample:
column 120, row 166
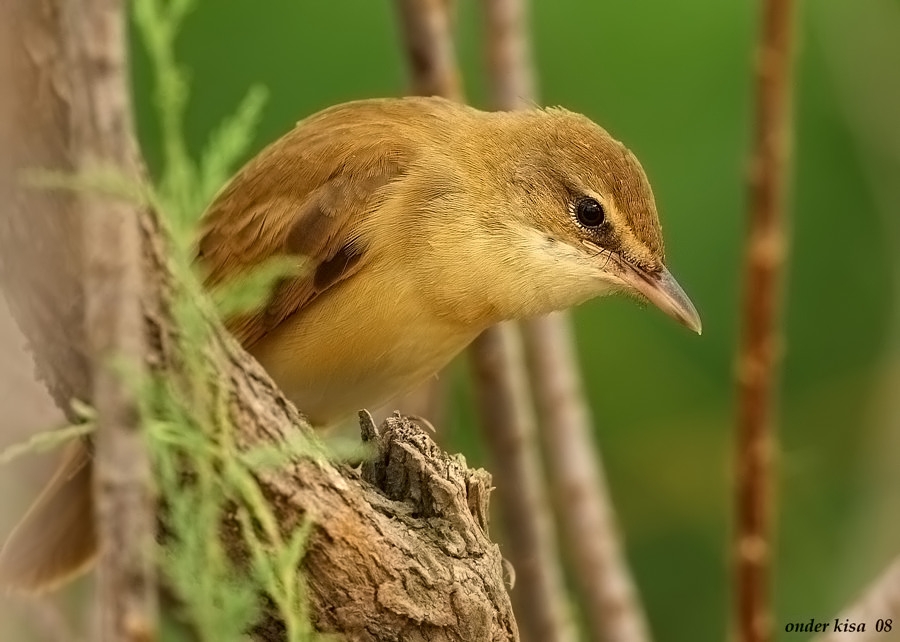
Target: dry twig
column 508, row 52
column 509, row 428
column 587, row 518
column 425, row 26
column 759, row 349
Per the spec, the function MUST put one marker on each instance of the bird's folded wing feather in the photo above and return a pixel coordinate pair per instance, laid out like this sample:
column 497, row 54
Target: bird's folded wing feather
column 304, row 196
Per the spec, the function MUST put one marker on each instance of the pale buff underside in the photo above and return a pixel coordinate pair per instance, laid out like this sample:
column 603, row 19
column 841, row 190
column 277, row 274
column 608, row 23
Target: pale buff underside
column 357, row 346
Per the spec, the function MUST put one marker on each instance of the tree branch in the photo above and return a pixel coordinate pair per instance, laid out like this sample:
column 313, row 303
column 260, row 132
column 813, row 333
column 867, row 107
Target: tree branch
column 427, row 35
column 760, row 342
column 508, row 54
column 583, row 505
column 102, row 136
column 508, row 424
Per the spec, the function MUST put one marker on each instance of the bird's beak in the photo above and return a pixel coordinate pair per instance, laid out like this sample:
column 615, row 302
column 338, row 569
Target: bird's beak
column 663, row 291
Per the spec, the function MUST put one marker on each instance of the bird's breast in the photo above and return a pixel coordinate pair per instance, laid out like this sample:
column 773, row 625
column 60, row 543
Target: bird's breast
column 362, row 342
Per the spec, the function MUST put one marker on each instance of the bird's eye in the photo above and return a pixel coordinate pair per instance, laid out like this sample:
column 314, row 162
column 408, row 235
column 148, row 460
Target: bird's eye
column 589, row 212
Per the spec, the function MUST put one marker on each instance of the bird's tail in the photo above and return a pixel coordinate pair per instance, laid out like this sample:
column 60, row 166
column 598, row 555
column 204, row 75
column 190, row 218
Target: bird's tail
column 56, row 540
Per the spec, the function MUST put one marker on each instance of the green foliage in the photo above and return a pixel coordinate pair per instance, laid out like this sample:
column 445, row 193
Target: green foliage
column 186, row 187
column 46, row 440
column 255, row 287
column 202, row 475
column 230, row 142
column 101, row 180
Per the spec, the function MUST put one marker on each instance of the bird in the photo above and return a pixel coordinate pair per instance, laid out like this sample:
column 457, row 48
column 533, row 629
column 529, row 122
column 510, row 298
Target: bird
column 415, row 224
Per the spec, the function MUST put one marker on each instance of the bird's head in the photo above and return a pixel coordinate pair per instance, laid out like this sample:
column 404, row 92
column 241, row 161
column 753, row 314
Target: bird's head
column 575, row 210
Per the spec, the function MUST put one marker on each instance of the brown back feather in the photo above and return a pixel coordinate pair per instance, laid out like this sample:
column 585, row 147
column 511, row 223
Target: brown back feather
column 305, row 196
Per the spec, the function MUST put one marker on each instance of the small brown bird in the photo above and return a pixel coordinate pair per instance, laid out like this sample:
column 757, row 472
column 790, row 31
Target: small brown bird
column 418, row 223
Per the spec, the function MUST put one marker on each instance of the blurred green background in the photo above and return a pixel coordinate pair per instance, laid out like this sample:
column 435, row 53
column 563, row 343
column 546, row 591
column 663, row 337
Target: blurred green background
column 674, row 83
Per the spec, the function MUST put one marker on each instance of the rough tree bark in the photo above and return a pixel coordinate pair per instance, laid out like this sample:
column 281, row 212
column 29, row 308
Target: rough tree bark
column 400, row 553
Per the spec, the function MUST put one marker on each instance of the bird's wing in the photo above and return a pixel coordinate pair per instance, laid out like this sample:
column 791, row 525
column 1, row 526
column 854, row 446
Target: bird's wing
column 304, row 196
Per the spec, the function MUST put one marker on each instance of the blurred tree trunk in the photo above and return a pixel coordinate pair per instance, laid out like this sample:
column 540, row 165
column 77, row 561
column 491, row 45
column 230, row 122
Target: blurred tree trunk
column 398, row 553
